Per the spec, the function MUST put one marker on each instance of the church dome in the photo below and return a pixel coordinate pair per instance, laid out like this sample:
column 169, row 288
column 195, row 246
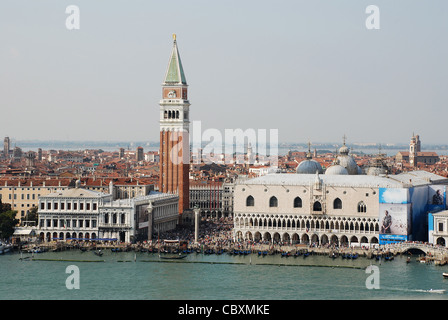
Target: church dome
column 344, row 150
column 348, row 163
column 336, row 169
column 376, row 171
column 309, row 167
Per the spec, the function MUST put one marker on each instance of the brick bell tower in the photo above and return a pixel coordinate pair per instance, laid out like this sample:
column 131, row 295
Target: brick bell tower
column 174, row 132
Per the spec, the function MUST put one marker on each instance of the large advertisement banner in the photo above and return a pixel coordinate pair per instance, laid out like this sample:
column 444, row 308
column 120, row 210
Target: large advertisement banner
column 394, row 214
column 437, row 197
column 419, row 200
column 393, row 195
column 395, row 219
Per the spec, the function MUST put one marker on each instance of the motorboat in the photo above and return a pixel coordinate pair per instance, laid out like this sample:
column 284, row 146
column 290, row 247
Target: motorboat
column 436, row 290
column 5, row 247
column 422, row 260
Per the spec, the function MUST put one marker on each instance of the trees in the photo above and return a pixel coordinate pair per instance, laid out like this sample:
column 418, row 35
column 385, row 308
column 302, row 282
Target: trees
column 33, row 215
column 8, row 220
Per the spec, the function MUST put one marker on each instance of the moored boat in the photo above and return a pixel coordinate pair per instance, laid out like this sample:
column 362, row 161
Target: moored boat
column 172, row 256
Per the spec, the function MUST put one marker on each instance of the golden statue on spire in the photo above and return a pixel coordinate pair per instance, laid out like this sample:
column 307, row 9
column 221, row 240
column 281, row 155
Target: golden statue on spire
column 174, row 36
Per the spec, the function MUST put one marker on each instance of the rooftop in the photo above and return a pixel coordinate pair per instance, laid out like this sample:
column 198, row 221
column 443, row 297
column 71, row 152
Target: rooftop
column 76, row 193
column 403, row 180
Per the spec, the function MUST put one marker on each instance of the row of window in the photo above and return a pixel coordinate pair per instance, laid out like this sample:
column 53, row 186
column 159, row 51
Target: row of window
column 69, row 206
column 69, row 223
column 173, row 114
column 22, row 196
column 114, row 217
column 297, row 203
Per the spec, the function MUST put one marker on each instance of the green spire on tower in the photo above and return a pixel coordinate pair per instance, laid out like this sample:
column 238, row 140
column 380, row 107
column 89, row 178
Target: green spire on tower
column 175, row 72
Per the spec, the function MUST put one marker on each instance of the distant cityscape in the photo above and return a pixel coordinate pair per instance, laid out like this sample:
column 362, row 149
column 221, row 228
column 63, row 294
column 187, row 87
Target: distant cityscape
column 154, row 145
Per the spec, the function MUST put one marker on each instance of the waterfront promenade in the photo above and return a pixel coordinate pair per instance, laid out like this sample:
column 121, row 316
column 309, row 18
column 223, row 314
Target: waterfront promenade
column 216, row 236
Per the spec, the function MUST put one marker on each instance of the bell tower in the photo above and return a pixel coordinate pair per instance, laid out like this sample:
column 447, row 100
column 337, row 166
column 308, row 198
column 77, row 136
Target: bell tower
column 414, row 149
column 174, row 132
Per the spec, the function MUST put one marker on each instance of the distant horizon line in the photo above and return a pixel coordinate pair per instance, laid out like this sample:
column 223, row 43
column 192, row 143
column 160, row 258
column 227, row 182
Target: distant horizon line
column 280, row 144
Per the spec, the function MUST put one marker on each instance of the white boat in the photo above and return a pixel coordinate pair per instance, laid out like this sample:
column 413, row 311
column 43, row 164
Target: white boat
column 5, row 247
column 445, row 275
column 436, row 291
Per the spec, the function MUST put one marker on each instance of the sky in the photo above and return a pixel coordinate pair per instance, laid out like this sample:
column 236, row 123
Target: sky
column 310, row 69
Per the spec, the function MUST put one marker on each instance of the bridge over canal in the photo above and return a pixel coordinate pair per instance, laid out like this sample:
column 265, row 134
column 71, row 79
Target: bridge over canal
column 426, row 248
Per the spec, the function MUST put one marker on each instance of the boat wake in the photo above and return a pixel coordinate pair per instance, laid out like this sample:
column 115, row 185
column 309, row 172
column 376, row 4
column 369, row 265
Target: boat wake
column 441, row 291
column 438, row 291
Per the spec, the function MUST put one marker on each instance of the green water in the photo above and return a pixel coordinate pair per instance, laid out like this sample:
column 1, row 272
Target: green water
column 142, row 276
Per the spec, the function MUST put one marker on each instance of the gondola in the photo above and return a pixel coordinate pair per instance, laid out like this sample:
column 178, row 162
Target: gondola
column 98, row 252
column 172, row 256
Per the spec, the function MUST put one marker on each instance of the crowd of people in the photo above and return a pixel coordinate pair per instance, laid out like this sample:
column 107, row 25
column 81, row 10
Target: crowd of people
column 212, row 232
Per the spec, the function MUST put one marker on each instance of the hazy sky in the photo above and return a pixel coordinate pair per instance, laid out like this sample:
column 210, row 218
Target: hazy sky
column 310, row 69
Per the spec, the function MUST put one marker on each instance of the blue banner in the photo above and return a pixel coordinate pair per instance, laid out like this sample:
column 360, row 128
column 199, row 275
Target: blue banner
column 392, row 238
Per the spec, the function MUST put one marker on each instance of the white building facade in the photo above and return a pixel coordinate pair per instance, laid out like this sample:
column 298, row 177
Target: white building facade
column 137, row 219
column 82, row 214
column 70, row 214
column 340, row 210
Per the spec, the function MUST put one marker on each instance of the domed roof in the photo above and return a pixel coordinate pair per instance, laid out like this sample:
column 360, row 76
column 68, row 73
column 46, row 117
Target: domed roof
column 376, row 171
column 348, row 163
column 344, row 150
column 336, row 169
column 309, row 166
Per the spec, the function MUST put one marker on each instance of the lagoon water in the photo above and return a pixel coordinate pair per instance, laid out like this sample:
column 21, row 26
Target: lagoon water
column 143, row 276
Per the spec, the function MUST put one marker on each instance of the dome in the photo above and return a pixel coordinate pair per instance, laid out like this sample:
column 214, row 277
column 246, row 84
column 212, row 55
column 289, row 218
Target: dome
column 344, row 150
column 309, row 167
column 348, row 163
column 376, row 171
column 336, row 169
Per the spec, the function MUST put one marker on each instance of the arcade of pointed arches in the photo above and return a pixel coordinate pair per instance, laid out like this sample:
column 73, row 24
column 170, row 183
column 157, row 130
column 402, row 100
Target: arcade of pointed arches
column 306, row 229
